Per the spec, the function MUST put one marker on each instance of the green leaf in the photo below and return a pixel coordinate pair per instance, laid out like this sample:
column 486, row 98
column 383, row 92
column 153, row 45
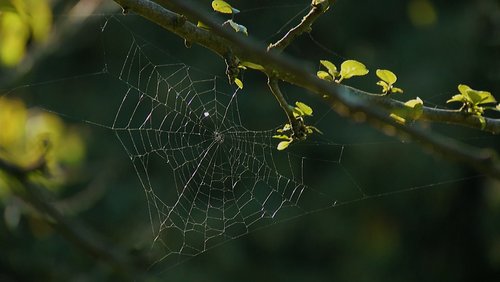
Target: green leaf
column 304, row 108
column 463, row 89
column 14, row 33
column 223, row 7
column 252, row 65
column 396, row 90
column 497, row 107
column 238, row 82
column 282, row 137
column 324, row 75
column 286, row 127
column 332, row 69
column 417, row 105
column 283, row 145
column 385, row 86
column 352, row 68
column 387, row 76
column 475, row 97
column 486, row 97
column 457, row 98
column 297, row 112
column 315, row 129
column 397, row 118
column 202, row 25
column 238, row 27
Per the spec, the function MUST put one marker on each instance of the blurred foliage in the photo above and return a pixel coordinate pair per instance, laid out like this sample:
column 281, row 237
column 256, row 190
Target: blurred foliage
column 29, row 136
column 22, row 21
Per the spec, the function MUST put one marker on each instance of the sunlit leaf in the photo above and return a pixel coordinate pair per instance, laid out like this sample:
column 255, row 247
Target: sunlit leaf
column 315, row 129
column 252, row 65
column 202, row 25
column 283, row 145
column 238, row 27
column 297, row 112
column 418, row 107
column 463, row 89
column 456, row 98
column 385, row 86
column 398, row 118
column 475, row 97
column 14, row 34
column 332, row 69
column 238, row 82
column 282, row 137
column 387, row 76
column 304, row 108
column 40, row 19
column 352, row 68
column 223, row 7
column 396, row 90
column 324, row 75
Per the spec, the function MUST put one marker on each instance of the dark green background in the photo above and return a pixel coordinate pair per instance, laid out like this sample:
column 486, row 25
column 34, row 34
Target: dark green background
column 447, row 230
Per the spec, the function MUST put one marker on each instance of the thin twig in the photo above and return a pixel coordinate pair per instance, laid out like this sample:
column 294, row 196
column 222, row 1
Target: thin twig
column 275, row 89
column 317, row 9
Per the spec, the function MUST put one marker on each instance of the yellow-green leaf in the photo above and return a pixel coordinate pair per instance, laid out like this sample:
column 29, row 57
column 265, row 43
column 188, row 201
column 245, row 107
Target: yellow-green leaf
column 396, row 90
column 476, row 97
column 14, row 34
column 398, row 118
column 223, row 7
column 385, row 86
column 238, row 82
column 352, row 68
column 282, row 137
column 387, row 76
column 418, row 107
column 314, row 128
column 332, row 69
column 283, row 145
column 463, row 89
column 417, row 102
column 202, row 25
column 304, row 108
column 456, row 98
column 41, row 19
column 252, row 65
column 324, row 75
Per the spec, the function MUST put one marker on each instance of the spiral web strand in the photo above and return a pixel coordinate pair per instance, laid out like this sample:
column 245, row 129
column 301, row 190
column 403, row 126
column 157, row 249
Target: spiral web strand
column 226, row 179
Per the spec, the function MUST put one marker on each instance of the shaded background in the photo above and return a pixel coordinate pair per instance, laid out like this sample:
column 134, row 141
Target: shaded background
column 445, row 230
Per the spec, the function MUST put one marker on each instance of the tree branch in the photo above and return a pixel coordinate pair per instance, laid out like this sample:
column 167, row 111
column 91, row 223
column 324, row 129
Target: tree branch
column 73, row 232
column 343, row 99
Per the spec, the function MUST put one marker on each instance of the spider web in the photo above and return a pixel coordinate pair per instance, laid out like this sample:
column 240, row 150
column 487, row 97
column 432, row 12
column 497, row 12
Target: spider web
column 219, row 179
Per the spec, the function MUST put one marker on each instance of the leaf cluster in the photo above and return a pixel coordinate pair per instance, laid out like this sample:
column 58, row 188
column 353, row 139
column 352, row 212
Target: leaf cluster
column 289, row 134
column 474, row 102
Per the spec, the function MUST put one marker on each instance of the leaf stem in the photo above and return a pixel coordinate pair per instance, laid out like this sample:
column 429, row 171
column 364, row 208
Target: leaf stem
column 272, row 82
